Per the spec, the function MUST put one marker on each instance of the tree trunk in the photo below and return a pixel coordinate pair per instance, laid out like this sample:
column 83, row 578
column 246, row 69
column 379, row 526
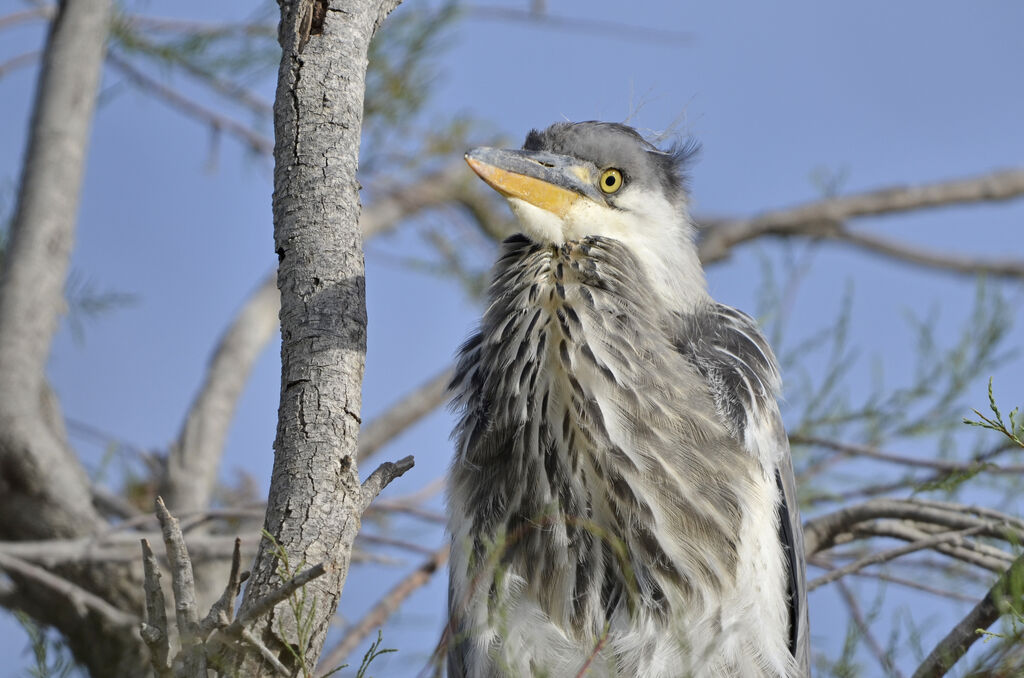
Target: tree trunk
column 315, row 500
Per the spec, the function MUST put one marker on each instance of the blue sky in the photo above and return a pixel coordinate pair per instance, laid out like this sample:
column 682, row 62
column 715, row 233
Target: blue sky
column 885, row 93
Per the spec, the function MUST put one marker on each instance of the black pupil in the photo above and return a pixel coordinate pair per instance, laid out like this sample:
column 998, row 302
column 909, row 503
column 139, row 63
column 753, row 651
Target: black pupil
column 609, row 180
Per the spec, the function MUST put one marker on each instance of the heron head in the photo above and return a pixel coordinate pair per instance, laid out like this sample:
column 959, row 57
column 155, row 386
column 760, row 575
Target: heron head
column 575, row 180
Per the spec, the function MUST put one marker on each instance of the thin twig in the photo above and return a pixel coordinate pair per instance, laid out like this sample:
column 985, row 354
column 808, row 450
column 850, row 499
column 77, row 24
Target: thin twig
column 956, row 643
column 267, row 602
column 891, row 554
column 865, row 631
column 15, row 18
column 392, row 541
column 112, row 504
column 218, row 122
column 909, row 583
column 384, row 608
column 853, row 449
column 383, row 506
column 199, row 28
column 963, row 551
column 16, row 62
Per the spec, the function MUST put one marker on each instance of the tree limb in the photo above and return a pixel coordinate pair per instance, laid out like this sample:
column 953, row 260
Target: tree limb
column 826, row 219
column 79, row 599
column 956, row 643
column 381, row 478
column 820, row 533
column 403, row 414
column 42, row 478
column 962, row 549
column 194, row 458
column 44, row 491
column 384, row 608
column 891, row 554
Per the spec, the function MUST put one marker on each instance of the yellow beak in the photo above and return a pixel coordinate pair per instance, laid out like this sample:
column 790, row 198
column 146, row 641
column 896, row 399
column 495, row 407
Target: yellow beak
column 551, row 182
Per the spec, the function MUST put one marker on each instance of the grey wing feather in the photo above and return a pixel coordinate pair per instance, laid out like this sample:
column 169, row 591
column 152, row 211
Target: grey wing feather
column 455, row 650
column 793, row 541
column 728, row 349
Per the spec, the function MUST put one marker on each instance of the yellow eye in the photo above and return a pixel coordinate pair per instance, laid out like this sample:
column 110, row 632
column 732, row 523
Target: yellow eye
column 611, row 180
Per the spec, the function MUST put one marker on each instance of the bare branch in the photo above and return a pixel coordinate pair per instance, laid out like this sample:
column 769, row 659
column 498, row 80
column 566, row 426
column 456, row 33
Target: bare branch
column 265, row 652
column 956, row 643
column 825, row 219
column 912, row 584
column 31, row 14
column 123, row 548
column 391, row 541
column 891, row 554
column 406, row 508
column 383, row 610
column 79, row 599
column 51, row 484
column 855, row 450
column 432, row 190
column 154, row 630
column 255, row 141
column 199, row 28
column 1006, row 267
column 184, row 588
column 382, row 477
column 110, row 504
column 18, row 61
column 266, row 603
column 194, row 459
column 964, row 550
column 403, row 414
column 223, row 611
column 820, row 533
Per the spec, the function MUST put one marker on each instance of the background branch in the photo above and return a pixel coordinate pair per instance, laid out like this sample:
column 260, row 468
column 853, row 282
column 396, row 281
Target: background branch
column 384, row 608
column 825, row 219
column 1006, row 591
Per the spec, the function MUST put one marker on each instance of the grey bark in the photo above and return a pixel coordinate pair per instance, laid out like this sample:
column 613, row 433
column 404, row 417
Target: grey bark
column 40, row 473
column 315, row 499
column 44, row 492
